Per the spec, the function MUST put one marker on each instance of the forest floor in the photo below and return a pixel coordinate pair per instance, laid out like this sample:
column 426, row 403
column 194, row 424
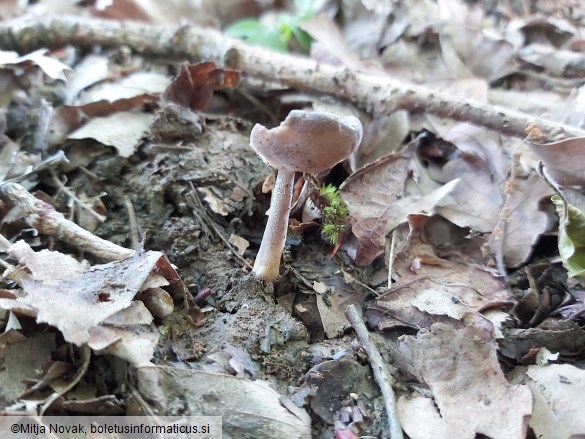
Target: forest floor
column 133, row 208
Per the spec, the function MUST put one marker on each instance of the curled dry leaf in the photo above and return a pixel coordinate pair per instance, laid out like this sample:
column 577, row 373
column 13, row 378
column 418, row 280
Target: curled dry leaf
column 432, row 289
column 571, row 210
column 71, row 117
column 195, row 84
column 51, row 67
column 59, row 295
column 367, row 193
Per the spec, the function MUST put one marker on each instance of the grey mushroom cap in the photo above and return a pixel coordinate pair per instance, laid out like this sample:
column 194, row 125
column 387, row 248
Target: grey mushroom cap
column 309, row 142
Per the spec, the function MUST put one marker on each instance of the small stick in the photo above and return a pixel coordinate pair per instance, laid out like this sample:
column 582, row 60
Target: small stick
column 375, row 94
column 135, row 232
column 43, row 217
column 381, row 375
column 391, row 257
column 75, row 198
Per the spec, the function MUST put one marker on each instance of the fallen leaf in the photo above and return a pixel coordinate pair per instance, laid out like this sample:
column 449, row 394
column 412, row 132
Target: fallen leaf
column 240, row 243
column 128, row 87
column 571, row 210
column 521, row 220
column 195, row 84
column 558, row 397
column 135, row 346
column 367, row 193
column 123, row 131
column 471, row 395
column 255, row 401
column 22, row 361
column 99, row 293
column 51, row 67
column 68, row 118
column 563, row 160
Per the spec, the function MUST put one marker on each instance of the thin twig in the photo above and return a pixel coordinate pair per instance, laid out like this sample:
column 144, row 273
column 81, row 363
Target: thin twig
column 391, row 257
column 85, row 354
column 210, row 223
column 353, row 280
column 43, row 217
column 75, row 198
column 135, row 231
column 381, row 374
column 377, row 94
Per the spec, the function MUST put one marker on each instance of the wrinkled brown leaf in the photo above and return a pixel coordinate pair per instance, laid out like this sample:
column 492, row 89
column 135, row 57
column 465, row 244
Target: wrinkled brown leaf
column 368, row 192
column 195, row 84
column 98, row 293
column 431, row 289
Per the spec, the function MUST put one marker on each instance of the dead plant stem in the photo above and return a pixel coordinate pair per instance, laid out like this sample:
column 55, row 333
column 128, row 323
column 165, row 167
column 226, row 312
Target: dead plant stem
column 381, row 374
column 43, row 217
column 376, row 94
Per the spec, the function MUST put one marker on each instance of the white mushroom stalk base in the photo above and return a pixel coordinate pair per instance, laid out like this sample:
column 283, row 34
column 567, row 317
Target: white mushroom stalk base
column 267, row 261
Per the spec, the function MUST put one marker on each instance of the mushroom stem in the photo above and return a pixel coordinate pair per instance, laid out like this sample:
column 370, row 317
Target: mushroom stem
column 268, row 259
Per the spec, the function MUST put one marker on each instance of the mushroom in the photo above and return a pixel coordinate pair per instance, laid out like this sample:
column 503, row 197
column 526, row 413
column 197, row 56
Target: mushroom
column 308, row 142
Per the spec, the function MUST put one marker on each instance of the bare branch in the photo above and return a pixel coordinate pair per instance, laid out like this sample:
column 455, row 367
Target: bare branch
column 43, row 217
column 381, row 375
column 374, row 94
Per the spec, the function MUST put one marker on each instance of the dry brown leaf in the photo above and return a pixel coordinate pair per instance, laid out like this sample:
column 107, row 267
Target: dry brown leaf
column 564, row 161
column 558, row 397
column 383, row 135
column 128, row 87
column 68, row 118
column 195, row 84
column 521, row 219
column 51, row 67
column 471, row 396
column 123, row 131
column 368, row 192
column 22, row 361
column 432, row 289
column 59, row 295
column 42, row 263
column 255, row 401
column 475, row 202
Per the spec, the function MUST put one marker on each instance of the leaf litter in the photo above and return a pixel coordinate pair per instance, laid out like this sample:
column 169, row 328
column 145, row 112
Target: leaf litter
column 463, row 246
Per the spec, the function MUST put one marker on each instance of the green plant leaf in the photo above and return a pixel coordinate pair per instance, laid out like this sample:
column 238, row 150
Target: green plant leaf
column 254, row 32
column 571, row 236
column 303, row 38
